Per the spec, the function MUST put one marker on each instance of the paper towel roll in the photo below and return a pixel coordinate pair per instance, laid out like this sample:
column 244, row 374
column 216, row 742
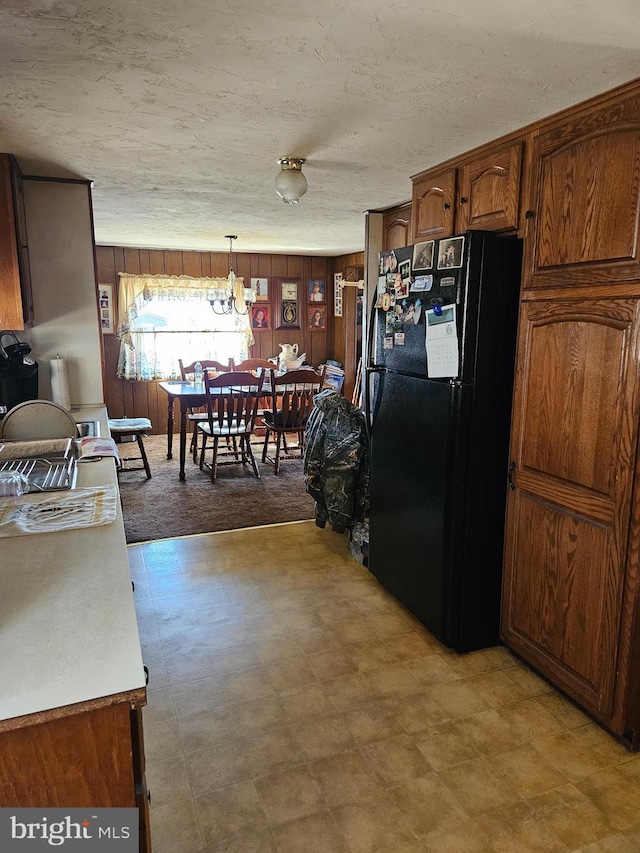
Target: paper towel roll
column 60, row 382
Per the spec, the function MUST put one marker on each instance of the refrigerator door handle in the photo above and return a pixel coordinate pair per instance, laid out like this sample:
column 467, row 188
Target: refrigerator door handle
column 368, row 409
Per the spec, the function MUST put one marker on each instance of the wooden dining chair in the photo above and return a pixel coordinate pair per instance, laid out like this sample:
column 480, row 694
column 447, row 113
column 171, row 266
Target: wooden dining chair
column 257, row 366
column 253, row 365
column 232, row 409
column 291, row 404
column 194, row 415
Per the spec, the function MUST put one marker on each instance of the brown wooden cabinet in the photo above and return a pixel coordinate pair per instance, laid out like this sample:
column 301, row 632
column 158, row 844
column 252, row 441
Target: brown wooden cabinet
column 396, row 227
column 24, row 266
column 586, row 199
column 16, row 302
column 489, row 192
column 482, row 193
column 92, row 757
column 573, row 445
column 10, row 295
column 433, row 204
column 571, row 596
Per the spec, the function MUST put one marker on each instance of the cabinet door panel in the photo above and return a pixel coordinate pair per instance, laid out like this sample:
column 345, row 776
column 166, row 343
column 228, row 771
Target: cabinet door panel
column 569, row 403
column 573, row 444
column 490, row 191
column 24, row 266
column 588, row 205
column 10, row 295
column 562, row 590
column 80, row 760
column 396, row 228
column 433, row 205
column 587, row 200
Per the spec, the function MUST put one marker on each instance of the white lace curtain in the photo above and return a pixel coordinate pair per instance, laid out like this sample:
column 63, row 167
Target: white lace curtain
column 151, row 345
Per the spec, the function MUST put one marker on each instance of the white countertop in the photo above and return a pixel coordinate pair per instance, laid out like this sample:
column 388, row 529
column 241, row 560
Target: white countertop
column 68, row 629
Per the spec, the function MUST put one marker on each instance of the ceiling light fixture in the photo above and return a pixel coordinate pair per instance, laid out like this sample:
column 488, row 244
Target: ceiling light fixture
column 291, row 184
column 222, row 298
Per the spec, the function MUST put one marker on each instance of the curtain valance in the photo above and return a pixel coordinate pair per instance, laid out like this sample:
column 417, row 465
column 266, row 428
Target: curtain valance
column 134, row 290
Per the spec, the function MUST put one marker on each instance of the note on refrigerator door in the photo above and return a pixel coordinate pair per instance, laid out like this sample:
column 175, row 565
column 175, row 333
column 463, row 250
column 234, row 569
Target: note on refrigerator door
column 443, row 358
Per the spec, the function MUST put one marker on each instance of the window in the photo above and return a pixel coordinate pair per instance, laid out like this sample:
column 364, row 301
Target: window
column 163, row 319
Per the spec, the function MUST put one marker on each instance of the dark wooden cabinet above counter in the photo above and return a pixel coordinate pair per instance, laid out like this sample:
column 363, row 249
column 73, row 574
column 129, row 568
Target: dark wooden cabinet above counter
column 16, row 302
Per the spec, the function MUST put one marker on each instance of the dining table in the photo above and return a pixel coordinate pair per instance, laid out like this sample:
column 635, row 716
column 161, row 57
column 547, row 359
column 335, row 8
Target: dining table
column 190, row 396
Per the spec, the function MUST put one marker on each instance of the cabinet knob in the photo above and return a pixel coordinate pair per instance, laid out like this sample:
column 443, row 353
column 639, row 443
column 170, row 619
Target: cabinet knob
column 463, row 199
column 146, row 674
column 446, row 205
column 528, row 214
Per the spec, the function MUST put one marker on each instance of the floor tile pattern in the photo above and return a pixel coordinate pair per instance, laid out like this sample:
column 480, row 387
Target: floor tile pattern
column 296, row 707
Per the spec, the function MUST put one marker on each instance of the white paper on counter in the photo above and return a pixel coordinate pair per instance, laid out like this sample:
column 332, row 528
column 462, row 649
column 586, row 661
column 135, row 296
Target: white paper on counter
column 55, row 511
column 443, row 358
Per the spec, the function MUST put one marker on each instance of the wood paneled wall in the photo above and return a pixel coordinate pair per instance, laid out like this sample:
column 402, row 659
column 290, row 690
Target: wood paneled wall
column 346, row 341
column 144, row 399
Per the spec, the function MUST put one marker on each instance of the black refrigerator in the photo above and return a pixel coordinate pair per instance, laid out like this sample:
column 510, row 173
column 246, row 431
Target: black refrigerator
column 438, row 394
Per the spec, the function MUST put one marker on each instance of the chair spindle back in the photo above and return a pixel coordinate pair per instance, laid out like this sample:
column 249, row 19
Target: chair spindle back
column 232, row 401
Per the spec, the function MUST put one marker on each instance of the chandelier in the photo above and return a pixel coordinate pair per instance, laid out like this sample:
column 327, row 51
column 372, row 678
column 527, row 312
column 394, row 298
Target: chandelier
column 222, row 297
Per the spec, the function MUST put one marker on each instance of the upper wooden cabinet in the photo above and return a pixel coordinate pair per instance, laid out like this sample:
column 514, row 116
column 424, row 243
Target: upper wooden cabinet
column 489, row 193
column 26, row 291
column 396, row 227
column 10, row 296
column 16, row 302
column 586, row 199
column 483, row 194
column 433, row 205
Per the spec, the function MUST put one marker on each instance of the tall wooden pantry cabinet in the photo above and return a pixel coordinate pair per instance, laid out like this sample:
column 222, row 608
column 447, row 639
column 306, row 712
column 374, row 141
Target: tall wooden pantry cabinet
column 570, row 596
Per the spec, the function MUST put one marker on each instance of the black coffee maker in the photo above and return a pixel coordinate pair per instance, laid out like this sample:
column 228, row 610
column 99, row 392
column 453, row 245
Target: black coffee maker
column 18, row 373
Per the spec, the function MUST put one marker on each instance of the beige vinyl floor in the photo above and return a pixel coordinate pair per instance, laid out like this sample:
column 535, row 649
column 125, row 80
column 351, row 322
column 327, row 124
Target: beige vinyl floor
column 295, row 706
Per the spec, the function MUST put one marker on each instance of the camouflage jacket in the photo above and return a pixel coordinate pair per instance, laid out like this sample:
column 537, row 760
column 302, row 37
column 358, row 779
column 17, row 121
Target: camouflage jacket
column 336, row 461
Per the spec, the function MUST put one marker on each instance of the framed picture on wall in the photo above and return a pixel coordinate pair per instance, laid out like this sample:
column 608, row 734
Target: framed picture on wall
column 260, row 287
column 106, row 309
column 316, row 291
column 317, row 318
column 260, row 317
column 287, row 305
column 337, row 294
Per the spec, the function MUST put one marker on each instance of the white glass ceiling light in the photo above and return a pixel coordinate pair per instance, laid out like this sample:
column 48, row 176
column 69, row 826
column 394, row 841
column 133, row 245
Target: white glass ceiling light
column 291, row 184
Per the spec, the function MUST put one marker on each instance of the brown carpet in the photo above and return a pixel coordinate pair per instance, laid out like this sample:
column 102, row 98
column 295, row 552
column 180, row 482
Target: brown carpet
column 164, row 506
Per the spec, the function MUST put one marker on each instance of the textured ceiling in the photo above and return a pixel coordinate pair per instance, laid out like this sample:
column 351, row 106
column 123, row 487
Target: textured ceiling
column 179, row 111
